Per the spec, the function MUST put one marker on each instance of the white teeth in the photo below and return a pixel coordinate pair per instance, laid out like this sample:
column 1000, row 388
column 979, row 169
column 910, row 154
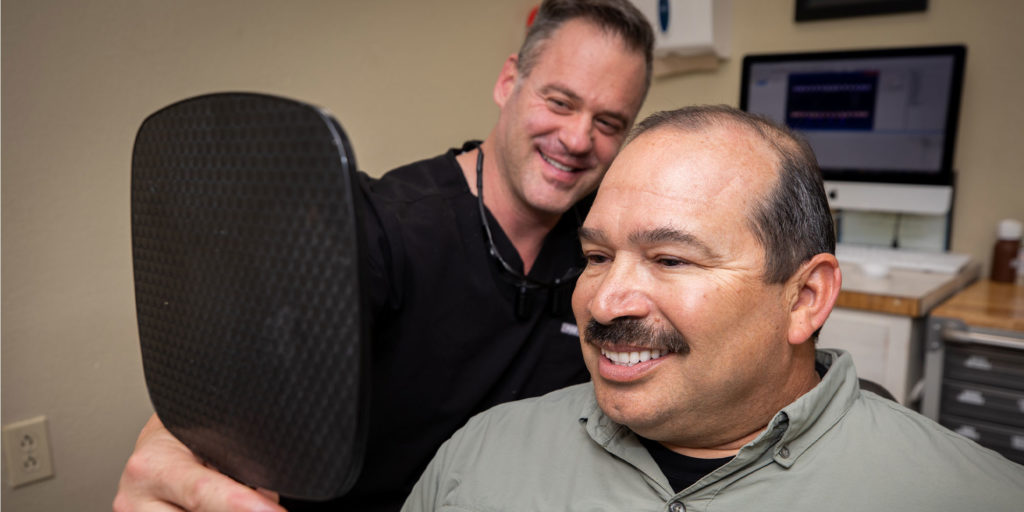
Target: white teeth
column 556, row 164
column 631, row 358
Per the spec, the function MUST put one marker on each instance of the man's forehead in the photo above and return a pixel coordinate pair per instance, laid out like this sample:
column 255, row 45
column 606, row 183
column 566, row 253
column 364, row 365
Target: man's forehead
column 697, row 181
column 708, row 161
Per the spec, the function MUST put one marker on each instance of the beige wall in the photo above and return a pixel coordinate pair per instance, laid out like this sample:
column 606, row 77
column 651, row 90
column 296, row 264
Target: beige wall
column 406, row 78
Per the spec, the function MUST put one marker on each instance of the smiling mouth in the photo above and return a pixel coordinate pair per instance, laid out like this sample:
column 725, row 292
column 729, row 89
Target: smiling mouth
column 559, row 166
column 632, row 358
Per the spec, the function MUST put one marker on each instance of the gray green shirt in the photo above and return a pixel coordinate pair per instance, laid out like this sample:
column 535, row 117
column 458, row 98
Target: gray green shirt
column 833, row 449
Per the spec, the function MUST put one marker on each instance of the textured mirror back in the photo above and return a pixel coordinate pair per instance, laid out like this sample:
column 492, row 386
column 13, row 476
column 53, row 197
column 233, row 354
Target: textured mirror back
column 245, row 251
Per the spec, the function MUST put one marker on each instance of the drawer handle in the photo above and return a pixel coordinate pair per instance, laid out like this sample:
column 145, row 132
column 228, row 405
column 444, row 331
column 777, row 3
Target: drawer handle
column 998, row 340
column 978, row 363
column 971, row 396
column 970, row 432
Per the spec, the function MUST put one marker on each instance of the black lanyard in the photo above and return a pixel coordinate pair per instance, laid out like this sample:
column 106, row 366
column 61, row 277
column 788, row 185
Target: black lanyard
column 556, row 289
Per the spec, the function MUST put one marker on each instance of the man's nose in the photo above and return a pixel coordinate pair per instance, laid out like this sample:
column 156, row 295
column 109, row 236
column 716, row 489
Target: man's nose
column 620, row 294
column 577, row 135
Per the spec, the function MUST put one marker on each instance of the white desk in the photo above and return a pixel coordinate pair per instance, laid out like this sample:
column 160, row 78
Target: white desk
column 881, row 322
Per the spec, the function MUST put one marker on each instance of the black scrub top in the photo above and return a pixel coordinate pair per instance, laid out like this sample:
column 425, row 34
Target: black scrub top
column 447, row 341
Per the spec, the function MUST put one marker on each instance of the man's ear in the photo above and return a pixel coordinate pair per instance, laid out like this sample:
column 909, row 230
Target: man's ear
column 507, row 80
column 815, row 288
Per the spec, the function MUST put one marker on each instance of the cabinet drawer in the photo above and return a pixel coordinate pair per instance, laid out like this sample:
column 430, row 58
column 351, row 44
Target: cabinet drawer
column 970, row 400
column 1008, row 441
column 994, row 366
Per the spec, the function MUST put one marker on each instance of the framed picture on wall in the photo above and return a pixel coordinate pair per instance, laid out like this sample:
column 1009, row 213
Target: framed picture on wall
column 810, row 10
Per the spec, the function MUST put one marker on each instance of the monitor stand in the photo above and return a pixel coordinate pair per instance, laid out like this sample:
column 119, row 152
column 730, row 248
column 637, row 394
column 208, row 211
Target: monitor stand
column 914, row 216
column 890, row 197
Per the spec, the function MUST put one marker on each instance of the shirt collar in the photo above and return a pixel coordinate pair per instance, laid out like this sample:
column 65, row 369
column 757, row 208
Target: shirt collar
column 798, row 425
column 619, row 441
column 790, row 433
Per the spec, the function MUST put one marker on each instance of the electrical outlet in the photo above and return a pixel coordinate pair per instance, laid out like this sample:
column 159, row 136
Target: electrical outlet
column 28, row 451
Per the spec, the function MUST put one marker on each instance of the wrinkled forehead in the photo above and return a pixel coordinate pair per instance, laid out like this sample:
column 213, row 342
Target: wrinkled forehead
column 716, row 167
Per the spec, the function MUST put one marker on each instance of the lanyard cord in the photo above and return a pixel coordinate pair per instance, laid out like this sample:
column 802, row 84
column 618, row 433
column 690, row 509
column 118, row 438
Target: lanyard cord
column 524, row 280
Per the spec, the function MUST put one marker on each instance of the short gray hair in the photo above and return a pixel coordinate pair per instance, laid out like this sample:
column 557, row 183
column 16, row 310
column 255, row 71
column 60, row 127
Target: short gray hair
column 619, row 17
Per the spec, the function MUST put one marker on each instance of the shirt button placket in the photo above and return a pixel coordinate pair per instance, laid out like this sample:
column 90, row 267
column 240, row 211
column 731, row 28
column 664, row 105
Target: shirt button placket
column 676, row 506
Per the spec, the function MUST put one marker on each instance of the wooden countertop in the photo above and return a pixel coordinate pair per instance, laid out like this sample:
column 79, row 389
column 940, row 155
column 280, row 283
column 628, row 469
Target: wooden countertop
column 987, row 304
column 902, row 292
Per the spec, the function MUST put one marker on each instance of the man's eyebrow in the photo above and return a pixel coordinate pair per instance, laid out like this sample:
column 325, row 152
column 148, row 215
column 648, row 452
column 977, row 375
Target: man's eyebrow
column 561, row 89
column 651, row 237
column 671, row 235
column 576, row 98
column 661, row 235
column 592, row 235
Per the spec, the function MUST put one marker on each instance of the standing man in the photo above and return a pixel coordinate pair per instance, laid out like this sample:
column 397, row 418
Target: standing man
column 710, row 267
column 472, row 258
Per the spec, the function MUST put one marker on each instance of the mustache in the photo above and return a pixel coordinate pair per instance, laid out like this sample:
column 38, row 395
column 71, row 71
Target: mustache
column 633, row 331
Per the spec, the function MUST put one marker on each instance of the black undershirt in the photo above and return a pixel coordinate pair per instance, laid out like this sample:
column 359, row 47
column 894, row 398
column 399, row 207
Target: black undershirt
column 683, row 471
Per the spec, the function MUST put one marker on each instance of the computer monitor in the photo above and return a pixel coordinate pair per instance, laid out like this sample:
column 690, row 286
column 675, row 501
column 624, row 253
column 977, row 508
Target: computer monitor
column 882, row 122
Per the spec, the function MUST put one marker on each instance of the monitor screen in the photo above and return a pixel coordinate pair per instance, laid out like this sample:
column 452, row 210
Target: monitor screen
column 885, row 116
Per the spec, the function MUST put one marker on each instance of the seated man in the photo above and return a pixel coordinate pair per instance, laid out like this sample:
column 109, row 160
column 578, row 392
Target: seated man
column 710, row 269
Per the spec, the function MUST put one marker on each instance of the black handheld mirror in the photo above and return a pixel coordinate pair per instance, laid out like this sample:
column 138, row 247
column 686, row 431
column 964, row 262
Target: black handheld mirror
column 245, row 243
